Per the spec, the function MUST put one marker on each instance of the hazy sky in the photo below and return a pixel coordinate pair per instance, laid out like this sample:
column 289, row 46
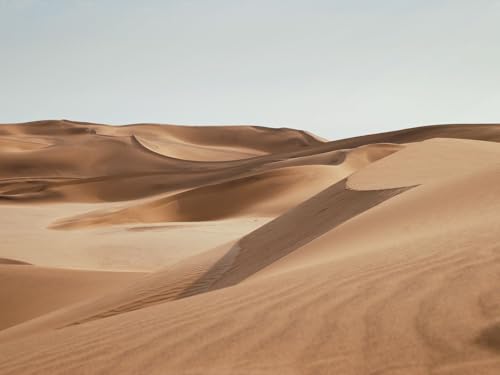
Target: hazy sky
column 336, row 68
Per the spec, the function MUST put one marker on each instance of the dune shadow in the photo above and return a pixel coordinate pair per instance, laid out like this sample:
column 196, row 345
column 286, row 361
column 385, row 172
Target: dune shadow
column 11, row 262
column 285, row 234
column 490, row 338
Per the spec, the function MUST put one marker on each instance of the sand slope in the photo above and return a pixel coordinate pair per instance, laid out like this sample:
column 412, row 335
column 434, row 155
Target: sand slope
column 267, row 191
column 373, row 255
column 27, row 292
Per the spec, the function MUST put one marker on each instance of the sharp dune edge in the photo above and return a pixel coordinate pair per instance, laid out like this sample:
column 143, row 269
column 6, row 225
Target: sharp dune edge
column 163, row 249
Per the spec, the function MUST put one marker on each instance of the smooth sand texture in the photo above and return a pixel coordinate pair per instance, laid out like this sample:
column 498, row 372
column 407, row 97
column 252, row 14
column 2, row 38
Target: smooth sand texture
column 246, row 250
column 27, row 292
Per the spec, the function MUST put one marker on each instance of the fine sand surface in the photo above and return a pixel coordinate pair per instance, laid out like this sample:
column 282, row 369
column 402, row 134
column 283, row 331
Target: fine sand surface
column 162, row 249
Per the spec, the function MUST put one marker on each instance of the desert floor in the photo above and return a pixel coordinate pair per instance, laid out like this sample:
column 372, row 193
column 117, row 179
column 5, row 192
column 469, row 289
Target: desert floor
column 162, row 249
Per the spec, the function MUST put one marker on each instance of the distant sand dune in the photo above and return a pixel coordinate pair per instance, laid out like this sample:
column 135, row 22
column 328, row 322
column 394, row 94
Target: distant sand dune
column 180, row 150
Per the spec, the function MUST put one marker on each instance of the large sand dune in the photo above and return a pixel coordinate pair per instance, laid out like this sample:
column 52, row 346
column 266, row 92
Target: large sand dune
column 248, row 250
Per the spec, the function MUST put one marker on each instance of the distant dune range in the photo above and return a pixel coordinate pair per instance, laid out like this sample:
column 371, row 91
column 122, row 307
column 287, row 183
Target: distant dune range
column 162, row 249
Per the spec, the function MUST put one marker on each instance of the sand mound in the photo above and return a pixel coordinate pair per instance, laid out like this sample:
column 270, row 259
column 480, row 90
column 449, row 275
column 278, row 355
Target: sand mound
column 479, row 132
column 265, row 194
column 34, row 291
column 426, row 162
column 310, row 220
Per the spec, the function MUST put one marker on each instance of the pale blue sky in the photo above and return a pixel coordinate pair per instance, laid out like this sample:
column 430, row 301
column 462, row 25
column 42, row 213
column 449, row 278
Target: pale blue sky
column 336, row 68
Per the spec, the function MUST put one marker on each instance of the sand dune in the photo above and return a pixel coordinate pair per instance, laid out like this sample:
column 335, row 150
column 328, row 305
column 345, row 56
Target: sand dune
column 267, row 191
column 265, row 194
column 28, row 292
column 178, row 149
column 265, row 251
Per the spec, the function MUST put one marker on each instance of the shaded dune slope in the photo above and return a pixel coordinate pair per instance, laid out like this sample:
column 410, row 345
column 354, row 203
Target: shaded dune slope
column 13, row 261
column 275, row 240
